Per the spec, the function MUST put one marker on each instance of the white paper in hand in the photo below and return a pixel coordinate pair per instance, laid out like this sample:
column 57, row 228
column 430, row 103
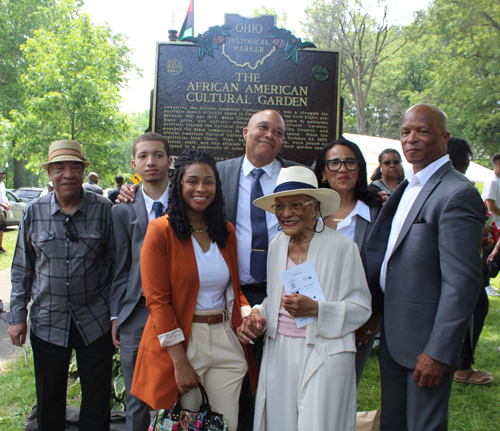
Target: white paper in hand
column 303, row 280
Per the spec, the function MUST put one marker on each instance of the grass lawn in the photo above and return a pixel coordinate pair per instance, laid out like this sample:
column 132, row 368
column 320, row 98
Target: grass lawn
column 18, row 394
column 9, row 244
column 472, row 407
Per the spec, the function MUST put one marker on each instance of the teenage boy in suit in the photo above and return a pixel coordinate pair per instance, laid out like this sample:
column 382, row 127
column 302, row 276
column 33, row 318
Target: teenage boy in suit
column 128, row 305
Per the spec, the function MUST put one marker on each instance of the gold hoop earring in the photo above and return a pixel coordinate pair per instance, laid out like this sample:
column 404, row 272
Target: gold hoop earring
column 323, row 180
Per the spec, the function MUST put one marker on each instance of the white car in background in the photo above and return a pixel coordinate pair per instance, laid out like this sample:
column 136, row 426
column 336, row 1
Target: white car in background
column 17, row 209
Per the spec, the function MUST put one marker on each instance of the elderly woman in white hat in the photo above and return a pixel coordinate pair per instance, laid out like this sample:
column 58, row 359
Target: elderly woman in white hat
column 307, row 379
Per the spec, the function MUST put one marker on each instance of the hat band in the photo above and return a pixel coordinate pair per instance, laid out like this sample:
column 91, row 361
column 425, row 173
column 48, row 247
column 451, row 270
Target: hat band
column 293, row 185
column 66, row 152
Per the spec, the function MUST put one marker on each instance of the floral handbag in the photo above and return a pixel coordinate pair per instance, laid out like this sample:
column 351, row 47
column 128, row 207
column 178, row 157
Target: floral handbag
column 177, row 419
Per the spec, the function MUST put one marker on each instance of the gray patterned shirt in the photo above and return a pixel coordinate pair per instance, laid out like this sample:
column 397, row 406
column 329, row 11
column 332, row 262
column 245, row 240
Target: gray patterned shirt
column 66, row 280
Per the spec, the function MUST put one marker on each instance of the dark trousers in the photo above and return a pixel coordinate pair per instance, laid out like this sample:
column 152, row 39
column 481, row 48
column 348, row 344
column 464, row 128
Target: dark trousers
column 405, row 405
column 478, row 318
column 247, row 400
column 51, row 376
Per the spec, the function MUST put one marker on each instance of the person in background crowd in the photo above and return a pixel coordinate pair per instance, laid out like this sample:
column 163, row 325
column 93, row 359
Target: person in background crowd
column 4, row 207
column 63, row 263
column 390, row 172
column 425, row 251
column 342, row 167
column 190, row 280
column 91, row 185
column 130, row 223
column 113, row 194
column 491, row 190
column 460, row 154
column 307, row 379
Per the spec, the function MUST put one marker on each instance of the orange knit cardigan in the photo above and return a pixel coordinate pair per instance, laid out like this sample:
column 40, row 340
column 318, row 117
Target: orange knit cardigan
column 170, row 284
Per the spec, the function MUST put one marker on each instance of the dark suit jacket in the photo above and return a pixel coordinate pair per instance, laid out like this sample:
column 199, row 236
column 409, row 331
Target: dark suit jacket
column 113, row 194
column 130, row 222
column 229, row 171
column 434, row 273
column 361, row 233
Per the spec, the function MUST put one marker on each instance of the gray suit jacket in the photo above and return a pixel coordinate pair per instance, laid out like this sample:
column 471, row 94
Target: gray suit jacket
column 130, row 222
column 434, row 273
column 229, row 171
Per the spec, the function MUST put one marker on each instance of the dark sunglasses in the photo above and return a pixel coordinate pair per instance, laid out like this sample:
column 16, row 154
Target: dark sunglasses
column 396, row 162
column 72, row 236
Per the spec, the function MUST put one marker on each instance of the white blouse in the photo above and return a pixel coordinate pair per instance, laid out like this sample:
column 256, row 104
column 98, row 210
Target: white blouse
column 214, row 276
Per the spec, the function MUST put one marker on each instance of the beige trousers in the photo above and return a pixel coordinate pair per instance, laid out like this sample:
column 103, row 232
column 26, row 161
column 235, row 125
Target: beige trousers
column 213, row 354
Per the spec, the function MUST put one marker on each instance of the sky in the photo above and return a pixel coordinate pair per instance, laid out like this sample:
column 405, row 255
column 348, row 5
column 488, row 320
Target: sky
column 147, row 22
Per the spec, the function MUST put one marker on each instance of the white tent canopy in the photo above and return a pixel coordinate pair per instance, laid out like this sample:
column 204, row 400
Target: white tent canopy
column 371, row 147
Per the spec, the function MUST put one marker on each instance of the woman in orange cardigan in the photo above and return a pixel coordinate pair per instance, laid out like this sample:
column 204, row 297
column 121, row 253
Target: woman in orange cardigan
column 190, row 280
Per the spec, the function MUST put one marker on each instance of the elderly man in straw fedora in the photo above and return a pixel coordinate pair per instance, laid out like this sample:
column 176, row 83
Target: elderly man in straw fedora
column 63, row 263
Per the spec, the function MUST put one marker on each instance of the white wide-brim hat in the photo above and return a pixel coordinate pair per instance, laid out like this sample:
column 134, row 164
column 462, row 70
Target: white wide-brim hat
column 299, row 180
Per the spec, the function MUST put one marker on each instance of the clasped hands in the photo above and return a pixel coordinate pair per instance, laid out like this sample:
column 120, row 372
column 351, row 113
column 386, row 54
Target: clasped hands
column 254, row 325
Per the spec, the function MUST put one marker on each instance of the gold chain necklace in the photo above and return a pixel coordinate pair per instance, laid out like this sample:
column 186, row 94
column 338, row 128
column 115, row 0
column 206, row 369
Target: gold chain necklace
column 199, row 230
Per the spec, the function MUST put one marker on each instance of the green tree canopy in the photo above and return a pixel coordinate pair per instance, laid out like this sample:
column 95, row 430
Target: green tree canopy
column 364, row 42
column 281, row 21
column 452, row 60
column 75, row 72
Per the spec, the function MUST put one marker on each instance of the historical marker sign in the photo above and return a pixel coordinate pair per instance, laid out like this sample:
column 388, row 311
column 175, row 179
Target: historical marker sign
column 207, row 89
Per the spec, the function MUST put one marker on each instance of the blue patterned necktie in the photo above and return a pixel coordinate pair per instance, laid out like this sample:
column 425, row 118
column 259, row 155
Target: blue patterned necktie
column 158, row 208
column 258, row 256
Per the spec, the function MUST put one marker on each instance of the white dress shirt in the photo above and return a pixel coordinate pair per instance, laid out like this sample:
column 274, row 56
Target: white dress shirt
column 415, row 184
column 491, row 191
column 347, row 226
column 243, row 224
column 149, row 203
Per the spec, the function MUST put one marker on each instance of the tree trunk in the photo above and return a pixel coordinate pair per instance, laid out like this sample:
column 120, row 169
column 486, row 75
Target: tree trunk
column 18, row 170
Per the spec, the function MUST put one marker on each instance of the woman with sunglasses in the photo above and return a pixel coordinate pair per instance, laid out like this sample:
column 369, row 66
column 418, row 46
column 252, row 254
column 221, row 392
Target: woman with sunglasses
column 342, row 167
column 307, row 376
column 389, row 173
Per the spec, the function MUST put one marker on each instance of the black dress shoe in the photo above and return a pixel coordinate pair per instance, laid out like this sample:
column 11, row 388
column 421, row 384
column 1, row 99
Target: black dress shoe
column 2, row 250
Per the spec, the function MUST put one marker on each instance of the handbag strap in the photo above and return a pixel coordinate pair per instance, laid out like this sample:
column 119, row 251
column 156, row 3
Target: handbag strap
column 204, row 406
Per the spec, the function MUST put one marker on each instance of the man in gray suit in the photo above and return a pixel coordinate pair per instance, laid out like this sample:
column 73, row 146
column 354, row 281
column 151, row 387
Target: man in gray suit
column 425, row 252
column 128, row 306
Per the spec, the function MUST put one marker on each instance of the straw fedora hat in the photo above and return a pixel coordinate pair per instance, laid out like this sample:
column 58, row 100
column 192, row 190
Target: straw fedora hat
column 65, row 151
column 299, row 180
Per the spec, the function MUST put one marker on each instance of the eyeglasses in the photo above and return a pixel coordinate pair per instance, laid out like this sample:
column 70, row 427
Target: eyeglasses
column 72, row 236
column 396, row 162
column 334, row 165
column 295, row 207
